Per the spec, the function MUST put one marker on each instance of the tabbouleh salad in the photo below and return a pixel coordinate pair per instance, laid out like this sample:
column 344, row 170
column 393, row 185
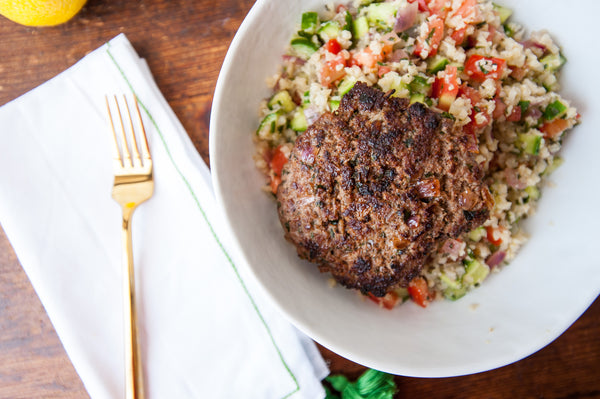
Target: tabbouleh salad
column 464, row 58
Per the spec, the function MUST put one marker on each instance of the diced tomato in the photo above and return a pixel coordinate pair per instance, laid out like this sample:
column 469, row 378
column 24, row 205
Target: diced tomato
column 475, row 98
column 482, row 120
column 480, row 68
column 333, row 70
column 492, row 31
column 369, row 58
column 276, row 162
column 387, row 44
column 364, row 58
column 518, row 73
column 499, row 108
column 388, row 301
column 422, row 5
column 278, row 159
column 438, row 7
column 515, row 114
column 459, row 36
column 469, row 11
column 446, row 87
column 470, row 14
column 470, row 93
column 427, row 46
column 498, row 88
column 340, row 8
column 382, row 70
column 493, row 235
column 472, row 128
column 275, row 182
column 333, row 46
column 419, row 291
column 554, row 128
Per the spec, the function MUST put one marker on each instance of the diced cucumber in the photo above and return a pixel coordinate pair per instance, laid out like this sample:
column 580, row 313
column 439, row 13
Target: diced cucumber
column 381, row 14
column 329, row 30
column 533, row 192
column 470, row 255
column 450, row 283
column 306, row 97
column 503, row 12
column 436, row 64
column 455, row 293
column 477, row 234
column 475, row 272
column 530, row 143
column 334, row 104
column 346, row 85
column 349, row 23
column 554, row 109
column 269, row 123
column 508, row 30
column 282, row 100
column 556, row 162
column 553, row 62
column 310, row 22
column 402, row 293
column 458, row 65
column 303, row 47
column 417, row 98
column 298, row 122
column 455, row 289
column 419, row 85
column 400, row 88
column 361, row 27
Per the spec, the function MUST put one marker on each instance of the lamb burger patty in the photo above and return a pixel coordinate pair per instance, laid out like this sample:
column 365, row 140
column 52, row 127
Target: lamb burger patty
column 371, row 190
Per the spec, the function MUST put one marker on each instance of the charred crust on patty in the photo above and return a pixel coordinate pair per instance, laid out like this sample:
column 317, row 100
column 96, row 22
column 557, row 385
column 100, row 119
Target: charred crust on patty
column 371, row 190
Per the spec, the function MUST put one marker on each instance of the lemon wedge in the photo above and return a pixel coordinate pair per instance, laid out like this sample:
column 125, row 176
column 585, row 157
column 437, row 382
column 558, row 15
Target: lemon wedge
column 40, row 12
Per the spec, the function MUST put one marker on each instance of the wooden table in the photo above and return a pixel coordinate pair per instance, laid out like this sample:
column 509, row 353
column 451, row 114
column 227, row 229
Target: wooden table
column 184, row 42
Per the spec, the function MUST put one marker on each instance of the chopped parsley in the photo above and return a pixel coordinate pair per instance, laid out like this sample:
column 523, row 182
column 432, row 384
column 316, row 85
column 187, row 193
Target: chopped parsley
column 524, row 105
column 430, row 35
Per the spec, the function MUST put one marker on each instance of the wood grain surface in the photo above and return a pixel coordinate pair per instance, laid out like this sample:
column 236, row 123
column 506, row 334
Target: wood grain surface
column 185, row 42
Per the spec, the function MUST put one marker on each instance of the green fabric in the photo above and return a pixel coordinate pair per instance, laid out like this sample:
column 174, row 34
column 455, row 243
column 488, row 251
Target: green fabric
column 372, row 384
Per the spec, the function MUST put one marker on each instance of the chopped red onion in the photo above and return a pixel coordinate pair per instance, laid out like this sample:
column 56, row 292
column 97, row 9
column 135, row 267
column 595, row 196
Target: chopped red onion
column 531, row 43
column 406, row 17
column 534, row 112
column 495, row 259
column 398, row 55
column 312, row 114
column 513, row 180
column 295, row 60
column 453, row 248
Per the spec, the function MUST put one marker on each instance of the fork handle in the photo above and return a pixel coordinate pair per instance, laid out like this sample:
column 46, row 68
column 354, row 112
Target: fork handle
column 134, row 382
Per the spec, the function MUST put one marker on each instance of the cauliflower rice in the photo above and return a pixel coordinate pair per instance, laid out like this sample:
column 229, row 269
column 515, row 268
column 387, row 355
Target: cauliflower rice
column 462, row 57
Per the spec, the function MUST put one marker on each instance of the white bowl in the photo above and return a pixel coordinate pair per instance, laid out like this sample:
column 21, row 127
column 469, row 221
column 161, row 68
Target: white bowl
column 555, row 277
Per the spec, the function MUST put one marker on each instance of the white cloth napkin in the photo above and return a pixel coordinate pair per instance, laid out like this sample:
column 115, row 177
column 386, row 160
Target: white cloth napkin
column 206, row 329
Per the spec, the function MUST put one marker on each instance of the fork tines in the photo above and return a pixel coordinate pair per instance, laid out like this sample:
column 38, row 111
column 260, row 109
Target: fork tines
column 123, row 148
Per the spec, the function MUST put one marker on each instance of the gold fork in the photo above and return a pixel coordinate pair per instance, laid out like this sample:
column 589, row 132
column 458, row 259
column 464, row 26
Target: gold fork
column 133, row 185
